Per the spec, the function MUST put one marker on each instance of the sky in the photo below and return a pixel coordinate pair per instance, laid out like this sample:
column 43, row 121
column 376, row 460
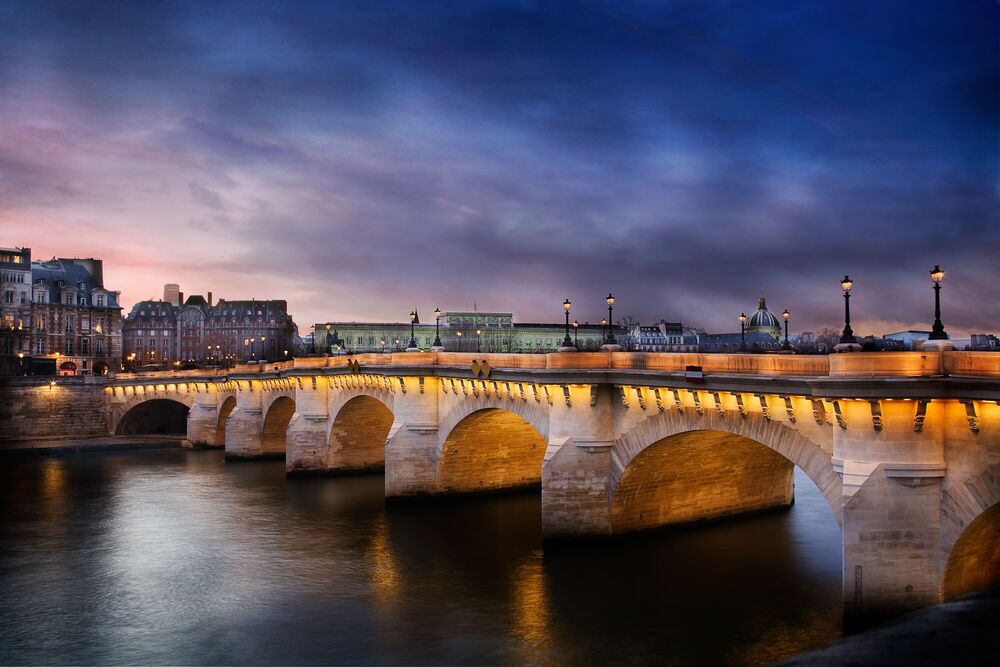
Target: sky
column 359, row 159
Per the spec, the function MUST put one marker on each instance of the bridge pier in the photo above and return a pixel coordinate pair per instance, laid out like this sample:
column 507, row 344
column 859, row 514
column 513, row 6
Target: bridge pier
column 204, row 416
column 412, row 449
column 243, row 428
column 306, row 437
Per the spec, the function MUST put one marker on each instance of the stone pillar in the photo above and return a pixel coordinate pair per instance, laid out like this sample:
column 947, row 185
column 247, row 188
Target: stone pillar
column 576, row 471
column 203, row 419
column 243, row 429
column 411, row 451
column 306, row 438
column 892, row 464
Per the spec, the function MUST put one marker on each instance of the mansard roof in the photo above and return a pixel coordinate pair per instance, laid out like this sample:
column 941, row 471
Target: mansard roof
column 56, row 274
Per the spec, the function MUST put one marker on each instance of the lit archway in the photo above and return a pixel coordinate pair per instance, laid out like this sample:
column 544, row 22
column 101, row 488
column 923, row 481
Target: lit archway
column 100, row 368
column 698, row 475
column 274, row 430
column 974, row 561
column 491, row 449
column 225, row 410
column 358, row 435
column 157, row 416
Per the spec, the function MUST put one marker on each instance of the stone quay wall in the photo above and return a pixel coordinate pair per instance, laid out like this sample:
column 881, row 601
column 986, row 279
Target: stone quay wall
column 35, row 407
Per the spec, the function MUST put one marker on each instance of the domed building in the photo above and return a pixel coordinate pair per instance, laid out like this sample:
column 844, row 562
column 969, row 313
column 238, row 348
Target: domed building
column 764, row 321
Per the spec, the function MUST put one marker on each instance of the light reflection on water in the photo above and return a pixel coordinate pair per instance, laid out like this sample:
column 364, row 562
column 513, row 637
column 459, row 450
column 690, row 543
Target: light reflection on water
column 174, row 557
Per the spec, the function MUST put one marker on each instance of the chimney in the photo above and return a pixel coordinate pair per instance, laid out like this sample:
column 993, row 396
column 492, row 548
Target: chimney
column 210, row 298
column 180, row 299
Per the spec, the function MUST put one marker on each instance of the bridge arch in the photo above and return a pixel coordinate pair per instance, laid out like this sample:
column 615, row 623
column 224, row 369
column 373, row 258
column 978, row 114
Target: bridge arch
column 489, row 449
column 225, row 409
column 154, row 416
column 358, row 433
column 672, row 468
column 971, row 534
column 274, row 426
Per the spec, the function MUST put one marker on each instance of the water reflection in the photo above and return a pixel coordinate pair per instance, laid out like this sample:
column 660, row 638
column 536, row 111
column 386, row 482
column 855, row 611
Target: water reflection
column 174, row 557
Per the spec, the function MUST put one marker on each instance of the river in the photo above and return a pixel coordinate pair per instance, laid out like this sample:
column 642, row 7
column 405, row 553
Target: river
column 175, row 557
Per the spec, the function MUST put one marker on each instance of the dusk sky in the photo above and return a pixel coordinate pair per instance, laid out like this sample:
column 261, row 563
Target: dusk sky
column 359, row 159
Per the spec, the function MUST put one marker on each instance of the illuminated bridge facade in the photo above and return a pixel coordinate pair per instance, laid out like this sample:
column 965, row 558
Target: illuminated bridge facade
column 905, row 447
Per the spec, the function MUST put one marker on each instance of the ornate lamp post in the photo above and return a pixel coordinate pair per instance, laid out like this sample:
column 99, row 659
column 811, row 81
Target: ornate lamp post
column 567, row 343
column 576, row 334
column 437, row 329
column 262, row 350
column 786, row 345
column 382, row 343
column 610, row 340
column 604, row 328
column 743, row 332
column 937, row 330
column 458, row 334
column 20, row 362
column 479, row 338
column 412, row 347
column 847, row 338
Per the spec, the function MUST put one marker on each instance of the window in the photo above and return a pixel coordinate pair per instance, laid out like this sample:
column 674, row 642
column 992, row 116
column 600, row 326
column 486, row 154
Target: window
column 8, row 296
column 68, row 347
column 84, row 346
column 8, row 321
column 69, row 324
column 84, row 324
column 100, row 299
column 40, row 323
column 99, row 347
column 40, row 346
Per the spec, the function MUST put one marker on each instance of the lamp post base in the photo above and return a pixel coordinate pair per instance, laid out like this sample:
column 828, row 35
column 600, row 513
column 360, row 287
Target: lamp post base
column 611, row 347
column 847, row 347
column 566, row 348
column 938, row 345
column 437, row 348
column 413, row 349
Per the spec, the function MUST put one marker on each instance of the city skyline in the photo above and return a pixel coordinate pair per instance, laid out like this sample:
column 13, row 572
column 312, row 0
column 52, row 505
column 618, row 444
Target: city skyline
column 360, row 164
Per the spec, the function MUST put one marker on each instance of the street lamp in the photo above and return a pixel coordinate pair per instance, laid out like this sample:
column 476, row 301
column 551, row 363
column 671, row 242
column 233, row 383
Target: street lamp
column 437, row 328
column 382, row 343
column 576, row 333
column 743, row 332
column 786, row 345
column 413, row 340
column 458, row 334
column 937, row 330
column 20, row 362
column 567, row 341
column 479, row 338
column 262, row 351
column 604, row 328
column 610, row 340
column 847, row 337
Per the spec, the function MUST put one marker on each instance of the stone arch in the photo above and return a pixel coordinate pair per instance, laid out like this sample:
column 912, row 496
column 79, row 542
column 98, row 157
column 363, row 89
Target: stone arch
column 974, row 561
column 970, row 533
column 751, row 451
column 490, row 449
column 358, row 434
column 274, row 427
column 526, row 410
column 154, row 416
column 225, row 409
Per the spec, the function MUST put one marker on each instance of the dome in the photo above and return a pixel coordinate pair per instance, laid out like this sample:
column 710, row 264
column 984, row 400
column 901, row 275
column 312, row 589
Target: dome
column 764, row 320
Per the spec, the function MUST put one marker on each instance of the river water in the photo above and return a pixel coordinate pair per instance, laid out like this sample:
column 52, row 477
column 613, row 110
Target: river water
column 174, row 557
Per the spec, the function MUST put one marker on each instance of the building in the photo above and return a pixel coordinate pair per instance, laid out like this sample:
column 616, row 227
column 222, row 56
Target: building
column 911, row 339
column 57, row 315
column 764, row 321
column 663, row 337
column 172, row 294
column 460, row 332
column 198, row 331
column 756, row 341
column 984, row 343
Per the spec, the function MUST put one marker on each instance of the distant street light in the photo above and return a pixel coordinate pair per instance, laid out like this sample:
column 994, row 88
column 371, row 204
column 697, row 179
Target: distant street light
column 576, row 334
column 479, row 338
column 604, row 328
column 610, row 340
column 786, row 345
column 937, row 330
column 848, row 336
column 743, row 332
column 567, row 341
column 437, row 327
column 413, row 340
column 458, row 334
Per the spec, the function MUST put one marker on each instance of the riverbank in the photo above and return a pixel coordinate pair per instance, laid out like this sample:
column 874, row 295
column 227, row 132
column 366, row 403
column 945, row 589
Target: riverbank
column 960, row 632
column 28, row 447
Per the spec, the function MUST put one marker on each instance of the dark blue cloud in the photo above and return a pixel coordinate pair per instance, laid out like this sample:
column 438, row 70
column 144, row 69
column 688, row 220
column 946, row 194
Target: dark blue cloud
column 683, row 154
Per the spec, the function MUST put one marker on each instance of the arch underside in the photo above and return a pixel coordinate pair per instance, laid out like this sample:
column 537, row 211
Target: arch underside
column 489, row 450
column 274, row 430
column 699, row 475
column 358, row 435
column 225, row 410
column 156, row 416
column 974, row 562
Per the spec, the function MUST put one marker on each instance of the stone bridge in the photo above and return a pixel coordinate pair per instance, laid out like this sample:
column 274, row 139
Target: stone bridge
column 905, row 447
